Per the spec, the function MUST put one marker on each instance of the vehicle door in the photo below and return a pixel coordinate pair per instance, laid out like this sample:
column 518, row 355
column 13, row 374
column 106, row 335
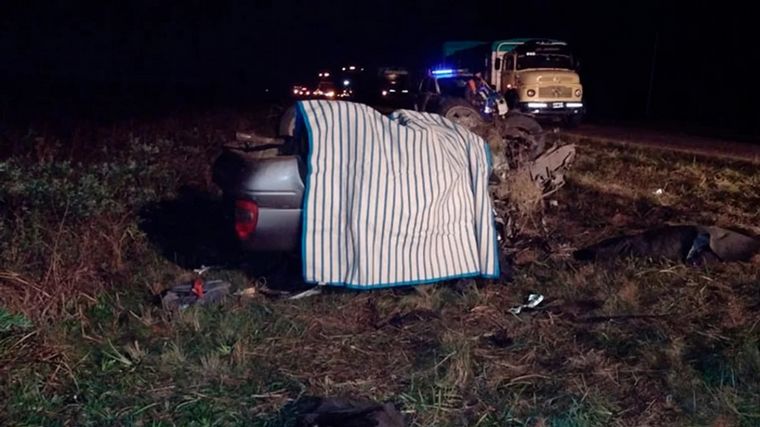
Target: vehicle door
column 428, row 96
column 508, row 72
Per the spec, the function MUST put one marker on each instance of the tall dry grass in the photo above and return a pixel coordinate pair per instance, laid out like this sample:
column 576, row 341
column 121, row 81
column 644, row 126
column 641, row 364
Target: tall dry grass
column 71, row 194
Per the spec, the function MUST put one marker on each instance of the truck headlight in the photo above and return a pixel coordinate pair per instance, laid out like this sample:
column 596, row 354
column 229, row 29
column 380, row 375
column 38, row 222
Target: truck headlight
column 578, row 93
column 531, row 92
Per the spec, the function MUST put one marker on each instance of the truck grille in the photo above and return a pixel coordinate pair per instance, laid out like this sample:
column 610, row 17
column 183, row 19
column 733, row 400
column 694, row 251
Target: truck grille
column 555, row 92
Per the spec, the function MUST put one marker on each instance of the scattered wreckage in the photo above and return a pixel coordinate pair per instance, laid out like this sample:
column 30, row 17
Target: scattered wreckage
column 199, row 291
column 692, row 244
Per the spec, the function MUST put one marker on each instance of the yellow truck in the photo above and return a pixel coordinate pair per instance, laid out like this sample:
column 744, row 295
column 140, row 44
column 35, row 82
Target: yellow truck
column 540, row 74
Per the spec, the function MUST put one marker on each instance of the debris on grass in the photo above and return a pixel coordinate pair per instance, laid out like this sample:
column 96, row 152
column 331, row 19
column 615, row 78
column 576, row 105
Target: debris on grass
column 532, row 302
column 247, row 292
column 199, row 291
column 695, row 244
column 305, row 294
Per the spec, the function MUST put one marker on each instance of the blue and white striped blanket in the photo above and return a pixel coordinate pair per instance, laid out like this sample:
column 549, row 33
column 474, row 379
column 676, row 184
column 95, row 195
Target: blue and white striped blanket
column 394, row 200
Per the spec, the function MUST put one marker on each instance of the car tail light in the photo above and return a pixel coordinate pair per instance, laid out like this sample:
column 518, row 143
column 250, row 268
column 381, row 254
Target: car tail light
column 246, row 217
column 531, row 92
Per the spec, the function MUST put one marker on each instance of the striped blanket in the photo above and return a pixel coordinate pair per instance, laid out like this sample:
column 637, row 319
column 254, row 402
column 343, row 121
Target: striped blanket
column 393, row 200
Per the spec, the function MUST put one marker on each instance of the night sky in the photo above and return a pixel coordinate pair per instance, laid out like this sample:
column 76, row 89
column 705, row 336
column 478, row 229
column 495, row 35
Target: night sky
column 68, row 52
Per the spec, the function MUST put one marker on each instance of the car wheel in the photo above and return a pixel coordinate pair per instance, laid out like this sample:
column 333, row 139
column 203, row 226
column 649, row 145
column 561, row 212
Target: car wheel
column 524, row 128
column 461, row 112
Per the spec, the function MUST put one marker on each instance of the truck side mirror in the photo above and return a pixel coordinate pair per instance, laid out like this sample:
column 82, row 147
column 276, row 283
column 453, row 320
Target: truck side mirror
column 497, row 64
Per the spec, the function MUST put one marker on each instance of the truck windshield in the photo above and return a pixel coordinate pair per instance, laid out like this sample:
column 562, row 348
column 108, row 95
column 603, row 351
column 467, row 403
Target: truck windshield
column 543, row 60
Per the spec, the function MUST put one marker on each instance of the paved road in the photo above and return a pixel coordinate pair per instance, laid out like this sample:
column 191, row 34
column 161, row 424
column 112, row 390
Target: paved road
column 668, row 140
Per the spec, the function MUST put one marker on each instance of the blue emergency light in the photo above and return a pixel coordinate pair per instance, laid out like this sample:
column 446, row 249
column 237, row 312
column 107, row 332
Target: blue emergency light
column 448, row 71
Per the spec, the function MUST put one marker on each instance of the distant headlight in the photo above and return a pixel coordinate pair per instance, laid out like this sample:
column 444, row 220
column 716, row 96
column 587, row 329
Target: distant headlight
column 531, row 92
column 578, row 93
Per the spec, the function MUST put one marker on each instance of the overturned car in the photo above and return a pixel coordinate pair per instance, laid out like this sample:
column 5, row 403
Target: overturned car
column 265, row 180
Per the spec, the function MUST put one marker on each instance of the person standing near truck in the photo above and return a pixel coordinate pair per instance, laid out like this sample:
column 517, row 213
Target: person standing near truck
column 480, row 94
column 474, row 88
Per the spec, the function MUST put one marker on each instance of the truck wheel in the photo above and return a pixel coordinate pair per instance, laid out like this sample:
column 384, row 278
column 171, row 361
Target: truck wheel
column 461, row 112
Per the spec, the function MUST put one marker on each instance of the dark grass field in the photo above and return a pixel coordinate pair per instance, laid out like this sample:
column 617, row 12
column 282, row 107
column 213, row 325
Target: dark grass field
column 96, row 224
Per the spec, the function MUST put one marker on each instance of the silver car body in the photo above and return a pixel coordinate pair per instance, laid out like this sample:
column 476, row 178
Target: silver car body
column 276, row 185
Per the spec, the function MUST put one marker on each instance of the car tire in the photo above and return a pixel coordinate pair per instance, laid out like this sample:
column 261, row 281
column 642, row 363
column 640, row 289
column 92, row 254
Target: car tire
column 526, row 125
column 523, row 122
column 461, row 112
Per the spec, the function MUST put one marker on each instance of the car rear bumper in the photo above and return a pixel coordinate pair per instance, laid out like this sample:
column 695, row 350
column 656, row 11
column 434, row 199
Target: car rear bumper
column 277, row 230
column 272, row 189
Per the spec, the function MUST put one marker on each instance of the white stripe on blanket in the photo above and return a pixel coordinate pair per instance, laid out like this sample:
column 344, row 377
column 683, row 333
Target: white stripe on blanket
column 397, row 200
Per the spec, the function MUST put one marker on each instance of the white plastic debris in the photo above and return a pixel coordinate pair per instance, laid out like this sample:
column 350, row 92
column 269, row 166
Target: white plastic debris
column 247, row 292
column 204, row 268
column 533, row 301
column 306, row 294
column 659, row 192
column 553, row 203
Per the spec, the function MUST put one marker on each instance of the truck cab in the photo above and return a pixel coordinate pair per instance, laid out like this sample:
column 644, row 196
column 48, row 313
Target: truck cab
column 541, row 73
